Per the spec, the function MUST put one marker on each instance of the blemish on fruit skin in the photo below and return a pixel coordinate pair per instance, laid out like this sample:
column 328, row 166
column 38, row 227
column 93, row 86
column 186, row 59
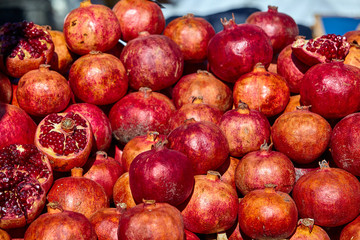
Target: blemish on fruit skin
column 73, row 23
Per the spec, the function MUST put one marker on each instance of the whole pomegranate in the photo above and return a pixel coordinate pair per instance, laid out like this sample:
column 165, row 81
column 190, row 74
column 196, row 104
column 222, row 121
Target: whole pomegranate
column 24, row 46
column 16, row 126
column 161, row 70
column 192, row 34
column 25, row 178
column 306, row 229
column 122, row 192
column 5, row 89
column 331, row 89
column 328, row 195
column 151, row 220
column 280, row 27
column 91, row 27
column 237, row 48
column 43, row 91
column 139, row 15
column 351, row 230
column 98, row 78
column 267, row 214
column 66, row 139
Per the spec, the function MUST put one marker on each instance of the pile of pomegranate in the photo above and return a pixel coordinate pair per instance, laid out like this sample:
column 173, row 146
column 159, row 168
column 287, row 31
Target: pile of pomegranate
column 121, row 126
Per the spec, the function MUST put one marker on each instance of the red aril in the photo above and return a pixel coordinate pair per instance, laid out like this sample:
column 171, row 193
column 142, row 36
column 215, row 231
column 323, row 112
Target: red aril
column 306, row 229
column 122, row 192
column 6, row 90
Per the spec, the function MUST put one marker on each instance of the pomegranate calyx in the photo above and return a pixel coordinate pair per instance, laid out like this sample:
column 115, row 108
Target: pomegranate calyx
column 213, row 175
column 272, row 9
column 152, row 135
column 85, row 3
column 228, row 23
column 266, row 147
column 307, row 222
column 324, row 164
column 54, row 207
column 77, row 172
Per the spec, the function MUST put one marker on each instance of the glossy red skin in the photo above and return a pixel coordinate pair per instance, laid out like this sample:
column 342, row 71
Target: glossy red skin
column 235, row 50
column 151, row 221
column 280, row 27
column 153, row 61
column 329, row 195
column 205, row 84
column 16, row 126
column 202, row 142
column 331, row 89
column 192, row 34
column 161, row 174
column 91, row 27
column 99, row 122
column 122, row 192
column 291, row 68
column 344, row 144
column 98, row 78
column 139, row 15
column 301, row 135
column 6, row 91
column 351, row 230
column 262, row 90
column 105, row 222
column 139, row 112
column 245, row 130
column 212, row 207
column 267, row 214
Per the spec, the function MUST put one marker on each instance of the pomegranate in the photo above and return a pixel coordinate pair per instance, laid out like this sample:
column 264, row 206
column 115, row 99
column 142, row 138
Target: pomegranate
column 4, row 235
column 227, row 170
column 91, row 27
column 161, row 70
column 291, row 69
column 202, row 142
column 264, row 166
column 301, row 135
column 139, row 112
column 351, row 230
column 323, row 49
column 236, row 49
column 331, row 89
column 280, row 27
column 267, row 214
column 26, row 176
column 190, row 235
column 139, row 15
column 344, row 144
column 307, row 230
column 352, row 58
column 352, row 36
column 58, row 223
column 16, row 126
column 99, row 122
column 302, row 169
column 202, row 83
column 118, row 154
column 79, row 194
column 161, row 174
column 262, row 90
column 5, row 89
column 329, row 195
column 192, row 34
column 43, row 91
column 24, row 46
column 293, row 103
column 66, row 139
column 245, row 129
column 212, row 207
column 13, row 99
column 98, row 78
column 122, row 192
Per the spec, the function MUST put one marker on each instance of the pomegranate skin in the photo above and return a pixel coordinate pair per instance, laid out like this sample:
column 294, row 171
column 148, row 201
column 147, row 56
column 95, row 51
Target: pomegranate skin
column 331, row 89
column 122, row 192
column 344, row 144
column 351, row 230
column 307, row 230
column 329, row 195
column 6, row 90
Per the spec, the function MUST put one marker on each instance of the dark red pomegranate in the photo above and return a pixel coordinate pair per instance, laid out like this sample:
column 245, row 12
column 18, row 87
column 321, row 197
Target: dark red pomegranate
column 351, row 230
column 212, row 207
column 192, row 34
column 79, row 194
column 139, row 112
column 306, row 229
column 98, row 78
column 99, row 122
column 331, row 89
column 16, row 126
column 245, row 129
column 122, row 192
column 25, row 178
column 236, row 49
column 91, row 27
column 139, row 15
column 161, row 70
column 329, row 195
column 291, row 69
column 267, row 214
column 202, row 142
column 161, row 174
column 262, row 90
column 280, row 27
column 6, row 91
column 301, row 135
column 66, row 139
column 43, row 91
column 24, row 47
column 58, row 223
column 323, row 49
